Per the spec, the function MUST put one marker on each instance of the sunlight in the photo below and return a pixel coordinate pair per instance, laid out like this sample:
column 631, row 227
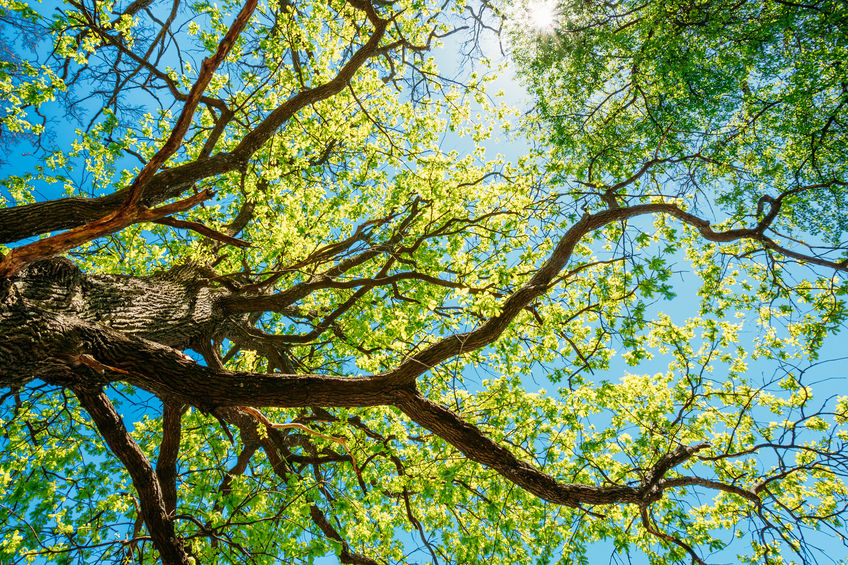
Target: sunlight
column 542, row 15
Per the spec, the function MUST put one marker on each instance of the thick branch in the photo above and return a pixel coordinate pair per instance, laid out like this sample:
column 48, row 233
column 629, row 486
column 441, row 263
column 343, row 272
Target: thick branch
column 478, row 447
column 156, row 518
column 169, row 449
column 166, row 372
column 19, row 257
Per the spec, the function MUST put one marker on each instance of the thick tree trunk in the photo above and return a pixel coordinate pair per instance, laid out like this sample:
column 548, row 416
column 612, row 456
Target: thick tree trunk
column 51, row 313
column 68, row 328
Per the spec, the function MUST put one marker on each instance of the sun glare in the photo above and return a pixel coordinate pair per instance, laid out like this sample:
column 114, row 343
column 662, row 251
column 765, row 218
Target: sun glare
column 542, row 15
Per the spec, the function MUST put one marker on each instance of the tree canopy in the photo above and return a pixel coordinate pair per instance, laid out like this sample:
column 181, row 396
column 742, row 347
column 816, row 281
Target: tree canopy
column 289, row 281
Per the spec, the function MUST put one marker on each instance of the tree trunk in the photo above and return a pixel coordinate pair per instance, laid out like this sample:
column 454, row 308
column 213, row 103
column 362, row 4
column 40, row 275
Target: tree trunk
column 53, row 313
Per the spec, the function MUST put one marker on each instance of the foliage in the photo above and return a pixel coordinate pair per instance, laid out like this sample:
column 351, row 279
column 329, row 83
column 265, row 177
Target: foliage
column 403, row 347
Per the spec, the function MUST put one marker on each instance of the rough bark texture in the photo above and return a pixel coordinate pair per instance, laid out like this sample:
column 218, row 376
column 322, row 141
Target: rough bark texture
column 55, row 320
column 171, row 309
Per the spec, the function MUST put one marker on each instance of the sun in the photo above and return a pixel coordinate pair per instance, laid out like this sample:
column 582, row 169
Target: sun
column 542, row 15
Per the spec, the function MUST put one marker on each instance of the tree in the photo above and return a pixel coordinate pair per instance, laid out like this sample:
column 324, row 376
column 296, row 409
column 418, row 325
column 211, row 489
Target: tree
column 280, row 288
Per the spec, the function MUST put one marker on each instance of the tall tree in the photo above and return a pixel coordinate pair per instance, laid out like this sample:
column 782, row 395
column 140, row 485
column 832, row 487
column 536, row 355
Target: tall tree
column 289, row 321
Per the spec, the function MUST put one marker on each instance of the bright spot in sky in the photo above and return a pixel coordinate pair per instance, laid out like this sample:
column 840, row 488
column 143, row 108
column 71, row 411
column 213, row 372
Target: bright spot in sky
column 542, row 15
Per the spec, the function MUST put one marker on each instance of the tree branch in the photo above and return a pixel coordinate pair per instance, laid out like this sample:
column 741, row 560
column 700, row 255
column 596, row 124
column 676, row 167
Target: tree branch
column 153, row 509
column 20, row 257
column 169, row 449
column 708, row 483
column 203, row 230
column 207, row 71
column 28, row 220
